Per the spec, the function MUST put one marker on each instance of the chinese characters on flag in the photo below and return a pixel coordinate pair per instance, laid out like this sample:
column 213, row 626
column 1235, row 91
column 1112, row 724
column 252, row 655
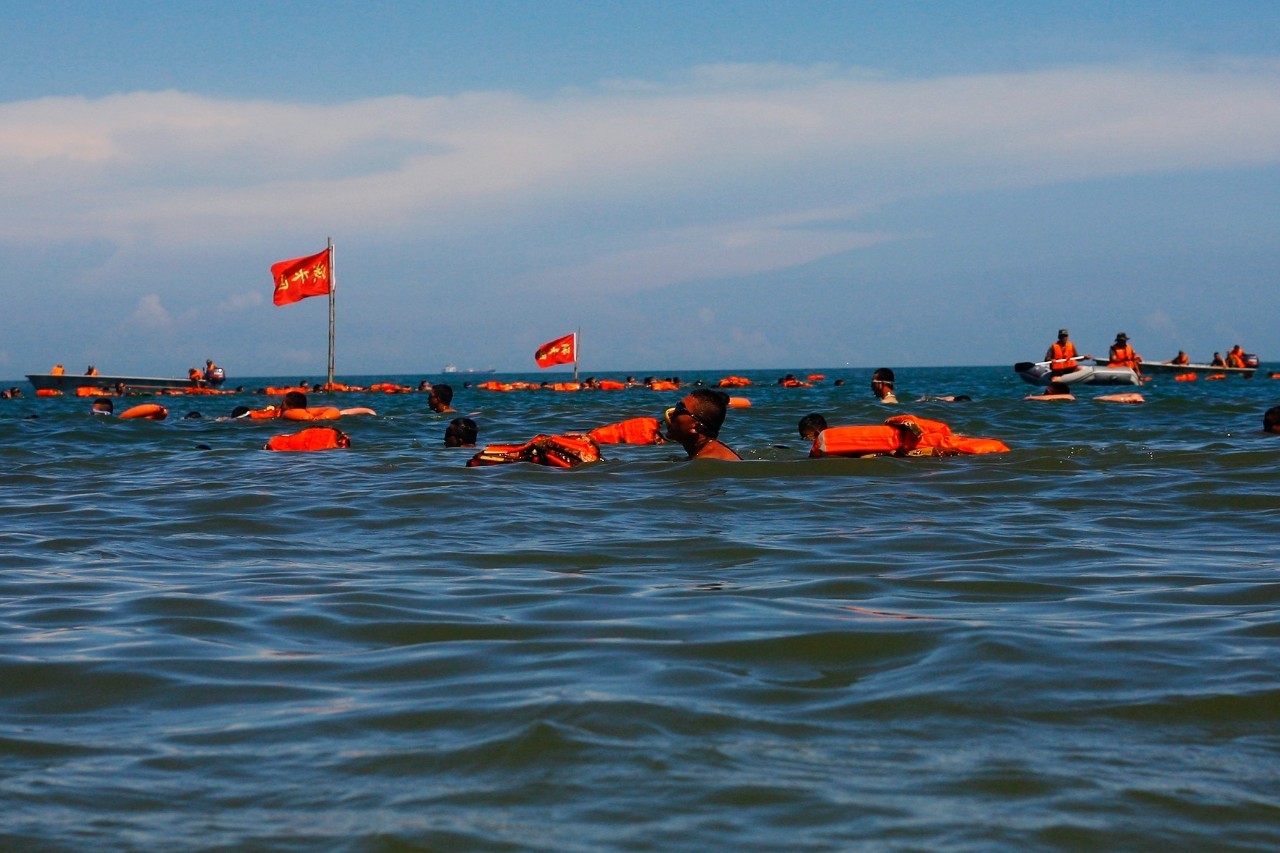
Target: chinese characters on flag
column 301, row 277
column 559, row 351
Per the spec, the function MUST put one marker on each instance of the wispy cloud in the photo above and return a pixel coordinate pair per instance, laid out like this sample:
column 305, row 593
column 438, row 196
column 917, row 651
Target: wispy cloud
column 709, row 167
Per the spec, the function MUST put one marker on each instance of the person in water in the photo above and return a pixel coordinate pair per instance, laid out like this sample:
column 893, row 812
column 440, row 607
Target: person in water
column 810, row 425
column 441, row 399
column 882, row 385
column 102, row 406
column 461, row 432
column 1271, row 420
column 694, row 423
column 1055, row 391
column 1121, row 354
column 1062, row 355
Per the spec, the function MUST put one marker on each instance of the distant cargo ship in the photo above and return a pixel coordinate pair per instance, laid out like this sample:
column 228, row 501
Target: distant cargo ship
column 452, row 368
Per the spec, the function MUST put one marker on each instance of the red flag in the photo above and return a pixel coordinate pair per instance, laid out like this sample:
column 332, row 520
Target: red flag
column 301, row 277
column 559, row 351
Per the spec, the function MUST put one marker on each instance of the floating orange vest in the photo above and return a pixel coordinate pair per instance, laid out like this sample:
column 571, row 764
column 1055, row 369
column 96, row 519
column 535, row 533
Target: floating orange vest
column 315, row 413
column 611, row 385
column 631, row 431
column 901, row 435
column 554, row 451
column 150, row 411
column 312, row 438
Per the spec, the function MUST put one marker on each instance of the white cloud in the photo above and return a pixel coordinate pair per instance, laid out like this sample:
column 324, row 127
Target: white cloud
column 150, row 314
column 710, row 168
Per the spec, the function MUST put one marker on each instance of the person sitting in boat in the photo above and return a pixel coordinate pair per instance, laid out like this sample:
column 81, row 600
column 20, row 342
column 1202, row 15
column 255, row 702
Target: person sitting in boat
column 195, row 376
column 461, row 432
column 91, row 371
column 1122, row 354
column 694, row 423
column 1217, row 360
column 1181, row 358
column 1062, row 355
column 1235, row 358
column 212, row 373
column 58, row 370
column 1271, row 420
column 441, row 398
column 882, row 385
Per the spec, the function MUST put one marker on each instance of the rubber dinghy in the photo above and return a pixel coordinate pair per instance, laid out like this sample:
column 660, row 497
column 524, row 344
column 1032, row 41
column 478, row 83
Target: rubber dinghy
column 1037, row 373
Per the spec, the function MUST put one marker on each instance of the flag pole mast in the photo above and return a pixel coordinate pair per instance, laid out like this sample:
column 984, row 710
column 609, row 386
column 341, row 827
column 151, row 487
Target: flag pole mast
column 333, row 286
column 577, row 334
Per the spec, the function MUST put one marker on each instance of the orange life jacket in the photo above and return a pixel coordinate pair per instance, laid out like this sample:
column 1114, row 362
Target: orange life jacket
column 315, row 413
column 1123, row 357
column 1235, row 359
column 48, row 392
column 150, row 411
column 264, row 414
column 312, row 438
column 901, row 435
column 1064, row 356
column 739, row 403
column 1185, row 377
column 611, row 385
column 57, row 370
column 630, row 431
column 663, row 385
column 734, row 382
column 554, row 451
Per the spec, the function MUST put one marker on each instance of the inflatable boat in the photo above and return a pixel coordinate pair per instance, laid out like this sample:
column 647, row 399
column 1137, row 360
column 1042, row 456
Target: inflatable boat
column 1037, row 373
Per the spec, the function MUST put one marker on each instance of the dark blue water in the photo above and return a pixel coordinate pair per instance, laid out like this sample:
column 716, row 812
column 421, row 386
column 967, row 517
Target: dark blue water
column 1070, row 646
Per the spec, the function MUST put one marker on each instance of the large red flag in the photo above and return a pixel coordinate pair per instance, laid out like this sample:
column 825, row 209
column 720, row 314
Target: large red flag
column 559, row 351
column 301, row 277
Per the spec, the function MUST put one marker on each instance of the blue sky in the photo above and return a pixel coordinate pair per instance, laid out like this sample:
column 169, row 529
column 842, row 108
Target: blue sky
column 694, row 185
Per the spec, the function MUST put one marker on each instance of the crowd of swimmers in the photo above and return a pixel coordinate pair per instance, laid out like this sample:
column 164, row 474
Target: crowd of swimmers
column 694, row 422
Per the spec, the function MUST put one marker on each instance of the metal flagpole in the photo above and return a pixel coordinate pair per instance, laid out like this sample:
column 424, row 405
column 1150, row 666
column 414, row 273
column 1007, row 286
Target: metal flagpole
column 576, row 335
column 333, row 286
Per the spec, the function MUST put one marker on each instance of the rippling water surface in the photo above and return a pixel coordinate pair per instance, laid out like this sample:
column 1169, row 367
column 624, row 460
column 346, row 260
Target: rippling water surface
column 1070, row 646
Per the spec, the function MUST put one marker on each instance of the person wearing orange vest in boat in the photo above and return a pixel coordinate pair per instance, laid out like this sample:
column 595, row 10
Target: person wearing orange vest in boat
column 1181, row 358
column 91, row 371
column 57, row 370
column 694, row 423
column 1122, row 355
column 1062, row 355
column 195, row 376
column 1235, row 358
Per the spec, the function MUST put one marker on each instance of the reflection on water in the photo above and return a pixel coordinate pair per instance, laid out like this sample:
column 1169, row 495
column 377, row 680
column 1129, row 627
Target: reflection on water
column 1070, row 645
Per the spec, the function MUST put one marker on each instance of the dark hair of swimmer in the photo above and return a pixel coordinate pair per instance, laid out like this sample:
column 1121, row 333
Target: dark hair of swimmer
column 239, row 411
column 294, row 400
column 710, row 407
column 444, row 393
column 810, row 425
column 884, row 375
column 104, row 405
column 1271, row 419
column 461, row 432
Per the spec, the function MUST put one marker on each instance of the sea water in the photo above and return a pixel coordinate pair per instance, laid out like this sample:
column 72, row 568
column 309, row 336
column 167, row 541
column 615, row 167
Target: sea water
column 1069, row 646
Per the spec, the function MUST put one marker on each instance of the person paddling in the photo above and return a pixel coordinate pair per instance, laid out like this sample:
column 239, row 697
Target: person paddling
column 1062, row 356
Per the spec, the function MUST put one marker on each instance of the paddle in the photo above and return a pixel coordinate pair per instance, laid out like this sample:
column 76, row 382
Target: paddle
column 1024, row 366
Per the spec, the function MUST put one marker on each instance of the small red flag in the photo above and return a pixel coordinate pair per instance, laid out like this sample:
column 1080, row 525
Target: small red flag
column 559, row 351
column 301, row 277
